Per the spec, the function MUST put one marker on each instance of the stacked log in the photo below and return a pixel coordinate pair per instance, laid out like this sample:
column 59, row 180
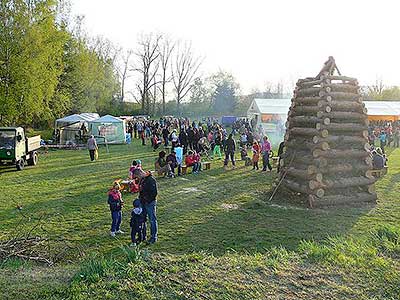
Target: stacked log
column 326, row 155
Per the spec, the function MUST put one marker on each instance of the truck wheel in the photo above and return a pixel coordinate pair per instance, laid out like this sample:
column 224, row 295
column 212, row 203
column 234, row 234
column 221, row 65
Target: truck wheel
column 20, row 164
column 34, row 159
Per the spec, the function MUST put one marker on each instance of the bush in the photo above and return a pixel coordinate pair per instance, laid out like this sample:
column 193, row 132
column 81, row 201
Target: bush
column 95, row 268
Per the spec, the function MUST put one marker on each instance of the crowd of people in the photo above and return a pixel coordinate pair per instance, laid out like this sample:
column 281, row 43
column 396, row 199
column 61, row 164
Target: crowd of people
column 384, row 133
column 188, row 142
column 380, row 135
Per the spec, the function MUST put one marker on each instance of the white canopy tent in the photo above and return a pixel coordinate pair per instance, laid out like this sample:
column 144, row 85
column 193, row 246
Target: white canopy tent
column 108, row 129
column 70, row 127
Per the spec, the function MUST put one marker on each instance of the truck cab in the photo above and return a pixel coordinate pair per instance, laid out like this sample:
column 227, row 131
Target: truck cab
column 16, row 148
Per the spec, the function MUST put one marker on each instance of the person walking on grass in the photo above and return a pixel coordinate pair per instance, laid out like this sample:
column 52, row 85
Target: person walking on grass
column 115, row 202
column 92, row 146
column 147, row 196
column 217, row 146
column 265, row 150
column 229, row 148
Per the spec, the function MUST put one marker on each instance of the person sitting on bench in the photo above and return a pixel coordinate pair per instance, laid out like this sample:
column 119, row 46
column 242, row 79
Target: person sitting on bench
column 161, row 165
column 385, row 159
column 172, row 161
column 197, row 159
column 378, row 161
column 190, row 161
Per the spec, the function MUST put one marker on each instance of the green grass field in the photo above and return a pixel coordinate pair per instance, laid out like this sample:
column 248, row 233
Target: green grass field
column 219, row 237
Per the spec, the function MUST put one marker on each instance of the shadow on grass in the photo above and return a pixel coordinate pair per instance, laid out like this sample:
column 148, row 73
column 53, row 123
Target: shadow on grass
column 216, row 211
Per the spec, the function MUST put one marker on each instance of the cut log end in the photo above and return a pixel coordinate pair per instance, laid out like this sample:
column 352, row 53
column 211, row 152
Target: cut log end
column 324, row 133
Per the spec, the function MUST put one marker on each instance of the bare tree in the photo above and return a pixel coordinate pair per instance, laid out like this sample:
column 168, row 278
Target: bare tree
column 184, row 70
column 148, row 56
column 165, row 50
column 123, row 70
column 377, row 88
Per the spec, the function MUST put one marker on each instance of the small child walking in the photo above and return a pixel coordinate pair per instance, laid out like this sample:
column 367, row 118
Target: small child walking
column 115, row 201
column 138, row 223
column 256, row 154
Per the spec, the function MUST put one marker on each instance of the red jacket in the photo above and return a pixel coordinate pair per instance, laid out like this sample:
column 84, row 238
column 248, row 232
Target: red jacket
column 189, row 160
column 196, row 157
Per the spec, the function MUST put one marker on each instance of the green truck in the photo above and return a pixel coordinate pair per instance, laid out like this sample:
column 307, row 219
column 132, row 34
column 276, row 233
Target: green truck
column 17, row 149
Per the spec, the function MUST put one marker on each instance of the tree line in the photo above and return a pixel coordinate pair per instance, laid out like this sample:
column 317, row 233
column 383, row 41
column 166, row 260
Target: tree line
column 48, row 69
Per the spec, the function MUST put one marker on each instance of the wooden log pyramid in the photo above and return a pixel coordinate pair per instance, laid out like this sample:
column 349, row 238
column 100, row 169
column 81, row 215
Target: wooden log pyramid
column 326, row 155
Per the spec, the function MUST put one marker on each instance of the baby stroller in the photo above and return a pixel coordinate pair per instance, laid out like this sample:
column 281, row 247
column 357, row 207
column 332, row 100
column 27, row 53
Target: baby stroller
column 204, row 147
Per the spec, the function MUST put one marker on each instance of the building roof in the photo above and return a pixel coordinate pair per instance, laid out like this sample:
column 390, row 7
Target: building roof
column 383, row 108
column 270, row 106
column 281, row 107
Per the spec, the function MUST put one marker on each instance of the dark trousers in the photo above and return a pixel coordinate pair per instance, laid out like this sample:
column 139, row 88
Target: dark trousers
column 196, row 167
column 191, row 145
column 185, row 148
column 135, row 134
column 116, row 220
column 266, row 163
column 231, row 155
column 383, row 144
column 155, row 146
column 138, row 233
column 165, row 141
column 91, row 153
column 175, row 166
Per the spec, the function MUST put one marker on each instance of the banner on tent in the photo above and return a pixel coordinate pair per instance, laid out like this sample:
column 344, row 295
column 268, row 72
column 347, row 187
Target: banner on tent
column 107, row 130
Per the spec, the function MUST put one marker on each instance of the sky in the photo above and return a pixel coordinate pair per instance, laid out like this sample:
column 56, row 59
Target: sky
column 262, row 41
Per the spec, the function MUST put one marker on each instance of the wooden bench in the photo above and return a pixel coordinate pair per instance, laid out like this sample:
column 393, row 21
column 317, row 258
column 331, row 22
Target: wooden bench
column 184, row 169
column 207, row 165
column 379, row 173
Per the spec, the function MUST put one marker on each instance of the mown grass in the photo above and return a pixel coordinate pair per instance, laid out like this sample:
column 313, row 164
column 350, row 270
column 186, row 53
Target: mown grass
column 218, row 236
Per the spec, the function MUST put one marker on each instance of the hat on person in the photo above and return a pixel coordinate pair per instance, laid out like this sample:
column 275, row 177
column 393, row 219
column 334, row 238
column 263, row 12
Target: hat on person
column 137, row 207
column 136, row 203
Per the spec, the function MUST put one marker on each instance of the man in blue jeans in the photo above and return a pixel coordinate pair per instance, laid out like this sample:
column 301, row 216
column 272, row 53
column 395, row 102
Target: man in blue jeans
column 147, row 196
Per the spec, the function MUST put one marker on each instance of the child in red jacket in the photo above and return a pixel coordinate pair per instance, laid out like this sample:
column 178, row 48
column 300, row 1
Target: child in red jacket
column 256, row 154
column 134, row 183
column 190, row 161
